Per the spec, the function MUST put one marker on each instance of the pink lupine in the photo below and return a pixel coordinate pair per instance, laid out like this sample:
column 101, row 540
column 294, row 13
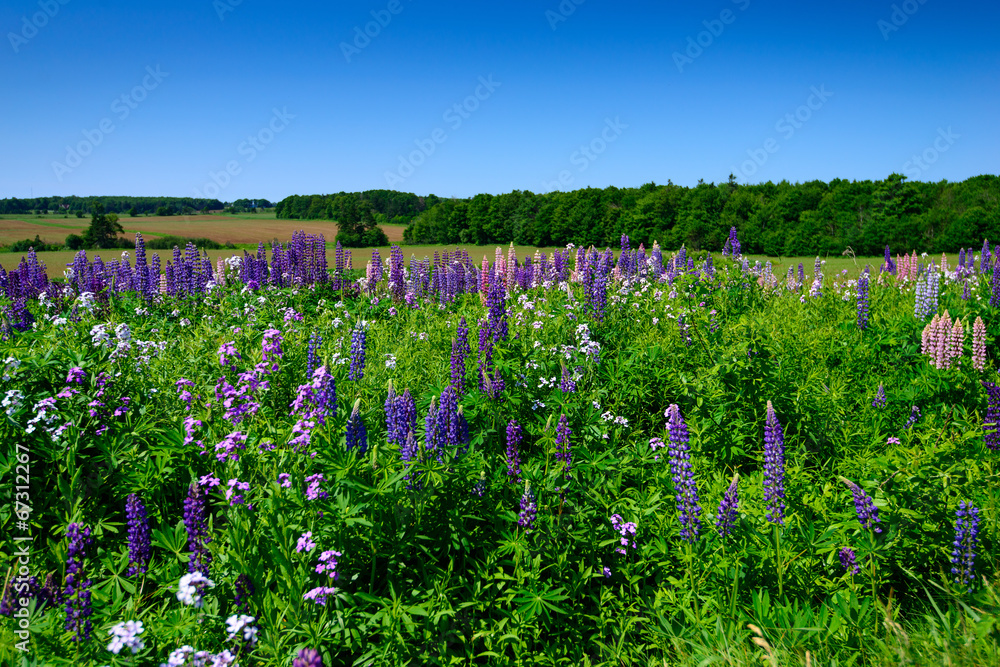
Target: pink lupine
column 956, row 341
column 939, row 345
column 979, row 344
column 925, row 337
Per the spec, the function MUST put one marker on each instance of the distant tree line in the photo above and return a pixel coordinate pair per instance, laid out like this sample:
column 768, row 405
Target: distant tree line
column 131, row 206
column 387, row 206
column 772, row 218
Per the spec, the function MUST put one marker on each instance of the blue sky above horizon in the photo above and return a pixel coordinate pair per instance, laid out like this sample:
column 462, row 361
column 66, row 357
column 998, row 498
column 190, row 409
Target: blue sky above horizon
column 233, row 99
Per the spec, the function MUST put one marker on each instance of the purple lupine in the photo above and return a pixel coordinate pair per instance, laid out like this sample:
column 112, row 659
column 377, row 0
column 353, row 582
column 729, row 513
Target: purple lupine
column 308, row 657
column 485, row 358
column 685, row 488
column 728, row 512
column 357, row 434
column 196, row 523
column 914, row 417
column 496, row 301
column 514, row 436
column 626, row 531
column 963, row 555
column 400, row 416
column 564, row 451
column 863, row 300
column 358, row 343
column 528, row 511
column 880, row 399
column 774, row 468
column 991, row 422
column 459, row 351
column 77, row 592
column 864, row 506
column 849, row 560
column 567, row 385
column 139, row 550
column 984, row 257
column 243, row 590
column 271, row 345
column 312, row 356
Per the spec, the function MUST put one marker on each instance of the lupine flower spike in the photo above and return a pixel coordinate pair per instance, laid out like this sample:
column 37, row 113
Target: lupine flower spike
column 774, row 468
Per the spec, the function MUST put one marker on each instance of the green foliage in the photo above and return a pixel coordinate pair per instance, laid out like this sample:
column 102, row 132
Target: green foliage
column 435, row 572
column 103, row 230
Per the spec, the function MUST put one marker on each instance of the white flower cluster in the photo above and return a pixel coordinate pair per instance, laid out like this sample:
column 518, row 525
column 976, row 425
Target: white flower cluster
column 186, row 656
column 238, row 625
column 190, row 589
column 126, row 635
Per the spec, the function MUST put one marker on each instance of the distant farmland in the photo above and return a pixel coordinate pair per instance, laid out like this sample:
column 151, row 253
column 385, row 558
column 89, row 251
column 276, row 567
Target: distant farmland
column 236, row 229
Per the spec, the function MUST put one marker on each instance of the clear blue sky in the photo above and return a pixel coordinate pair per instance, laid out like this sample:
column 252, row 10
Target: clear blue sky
column 676, row 111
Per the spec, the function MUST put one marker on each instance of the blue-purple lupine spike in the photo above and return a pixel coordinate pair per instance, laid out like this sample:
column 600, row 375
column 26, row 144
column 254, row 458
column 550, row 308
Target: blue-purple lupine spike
column 728, row 512
column 139, row 548
column 991, row 421
column 963, row 555
column 514, row 436
column 357, row 434
column 359, row 338
column 77, row 591
column 864, row 506
column 849, row 560
column 880, row 400
column 459, row 352
column 774, row 468
column 863, row 300
column 196, row 523
column 685, row 488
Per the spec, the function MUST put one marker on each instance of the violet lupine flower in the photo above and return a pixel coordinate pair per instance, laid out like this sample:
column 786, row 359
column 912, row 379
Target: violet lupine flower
column 313, row 490
column 196, row 523
column 864, row 506
column 357, row 434
column 564, row 452
column 728, row 512
column 995, row 283
column 991, row 421
column 963, row 556
column 459, row 351
column 234, row 498
column 528, row 512
column 685, row 488
column 774, row 468
column 358, row 343
column 183, row 394
column 305, row 543
column 228, row 355
column 226, row 450
column 496, row 301
column 880, row 399
column 312, row 358
column 77, row 592
column 308, row 657
column 567, row 385
column 328, row 564
column 863, row 300
column 139, row 548
column 400, row 416
column 243, row 590
column 514, row 436
column 914, row 417
column 849, row 560
column 271, row 346
column 627, row 530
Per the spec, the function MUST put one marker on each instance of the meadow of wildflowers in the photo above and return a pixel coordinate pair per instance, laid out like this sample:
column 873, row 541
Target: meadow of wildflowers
column 442, row 461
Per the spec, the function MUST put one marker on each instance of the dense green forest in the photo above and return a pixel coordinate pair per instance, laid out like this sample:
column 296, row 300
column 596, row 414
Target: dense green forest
column 388, row 206
column 121, row 205
column 772, row 218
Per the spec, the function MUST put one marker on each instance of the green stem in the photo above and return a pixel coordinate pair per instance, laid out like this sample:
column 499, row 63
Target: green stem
column 777, row 561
